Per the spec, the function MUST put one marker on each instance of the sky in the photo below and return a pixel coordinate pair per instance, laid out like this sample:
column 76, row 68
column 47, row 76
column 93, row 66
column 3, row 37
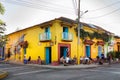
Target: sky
column 21, row 14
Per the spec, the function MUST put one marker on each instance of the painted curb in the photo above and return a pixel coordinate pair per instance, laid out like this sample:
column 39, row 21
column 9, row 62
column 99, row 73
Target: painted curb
column 3, row 74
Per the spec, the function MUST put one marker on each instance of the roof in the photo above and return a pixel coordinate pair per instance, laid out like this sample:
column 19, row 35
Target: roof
column 64, row 19
column 116, row 36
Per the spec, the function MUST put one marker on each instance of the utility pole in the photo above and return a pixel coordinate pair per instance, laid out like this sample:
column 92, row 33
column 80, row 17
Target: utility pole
column 78, row 43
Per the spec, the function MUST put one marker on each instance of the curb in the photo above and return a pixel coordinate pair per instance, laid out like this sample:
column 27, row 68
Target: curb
column 63, row 67
column 3, row 74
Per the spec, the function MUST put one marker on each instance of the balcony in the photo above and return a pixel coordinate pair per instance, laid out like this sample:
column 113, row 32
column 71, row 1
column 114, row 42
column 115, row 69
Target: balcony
column 45, row 36
column 67, row 36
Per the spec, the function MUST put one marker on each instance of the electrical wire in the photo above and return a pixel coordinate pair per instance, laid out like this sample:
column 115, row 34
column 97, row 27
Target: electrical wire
column 40, row 6
column 75, row 6
column 110, row 5
column 104, row 14
column 56, row 9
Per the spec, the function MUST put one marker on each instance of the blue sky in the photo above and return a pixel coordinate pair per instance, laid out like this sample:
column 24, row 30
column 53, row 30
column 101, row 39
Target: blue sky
column 25, row 13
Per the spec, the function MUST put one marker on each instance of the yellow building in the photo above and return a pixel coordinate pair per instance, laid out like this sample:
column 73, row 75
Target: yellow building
column 117, row 44
column 53, row 39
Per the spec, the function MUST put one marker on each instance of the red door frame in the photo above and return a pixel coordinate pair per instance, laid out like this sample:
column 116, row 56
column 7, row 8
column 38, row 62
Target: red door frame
column 63, row 45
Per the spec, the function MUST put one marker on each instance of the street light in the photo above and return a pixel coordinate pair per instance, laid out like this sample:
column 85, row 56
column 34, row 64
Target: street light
column 79, row 26
column 82, row 13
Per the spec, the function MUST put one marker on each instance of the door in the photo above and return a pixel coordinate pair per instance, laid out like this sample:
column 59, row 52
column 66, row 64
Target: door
column 63, row 51
column 47, row 31
column 99, row 51
column 88, row 51
column 48, row 55
column 118, row 48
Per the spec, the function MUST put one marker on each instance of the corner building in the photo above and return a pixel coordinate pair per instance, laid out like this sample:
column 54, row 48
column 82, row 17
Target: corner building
column 53, row 39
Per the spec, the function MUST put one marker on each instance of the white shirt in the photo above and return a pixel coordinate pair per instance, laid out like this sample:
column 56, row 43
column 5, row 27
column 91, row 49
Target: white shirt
column 86, row 58
column 67, row 59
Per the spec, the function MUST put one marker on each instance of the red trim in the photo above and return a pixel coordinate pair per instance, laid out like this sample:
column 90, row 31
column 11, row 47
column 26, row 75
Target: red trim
column 63, row 45
column 100, row 43
column 55, row 63
column 89, row 42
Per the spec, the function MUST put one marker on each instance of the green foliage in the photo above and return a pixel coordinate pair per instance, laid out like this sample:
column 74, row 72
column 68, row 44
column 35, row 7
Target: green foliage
column 112, row 54
column 2, row 9
column 105, row 37
column 1, row 22
column 83, row 34
column 115, row 54
column 97, row 35
column 3, row 38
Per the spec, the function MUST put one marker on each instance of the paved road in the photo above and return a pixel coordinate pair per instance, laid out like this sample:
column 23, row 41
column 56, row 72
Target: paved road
column 17, row 72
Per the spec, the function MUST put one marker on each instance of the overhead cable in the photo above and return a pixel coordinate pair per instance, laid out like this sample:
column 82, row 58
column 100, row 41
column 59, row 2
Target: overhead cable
column 40, row 6
column 104, row 15
column 110, row 5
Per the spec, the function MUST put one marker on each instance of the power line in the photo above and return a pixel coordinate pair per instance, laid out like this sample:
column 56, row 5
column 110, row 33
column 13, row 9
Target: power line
column 75, row 6
column 104, row 14
column 110, row 5
column 40, row 6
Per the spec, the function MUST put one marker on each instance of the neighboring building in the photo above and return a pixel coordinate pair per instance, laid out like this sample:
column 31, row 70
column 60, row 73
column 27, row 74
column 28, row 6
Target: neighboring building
column 56, row 38
column 117, row 43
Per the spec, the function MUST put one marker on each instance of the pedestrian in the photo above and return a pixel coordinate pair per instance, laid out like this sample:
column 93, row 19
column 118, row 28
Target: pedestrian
column 109, row 58
column 9, row 53
column 102, row 57
column 39, row 60
column 74, row 59
column 25, row 61
column 81, row 60
column 29, row 59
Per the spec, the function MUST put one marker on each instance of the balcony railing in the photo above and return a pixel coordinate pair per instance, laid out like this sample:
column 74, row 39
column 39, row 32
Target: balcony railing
column 45, row 36
column 67, row 36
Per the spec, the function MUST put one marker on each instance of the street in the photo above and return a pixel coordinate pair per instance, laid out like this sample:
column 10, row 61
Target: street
column 23, row 72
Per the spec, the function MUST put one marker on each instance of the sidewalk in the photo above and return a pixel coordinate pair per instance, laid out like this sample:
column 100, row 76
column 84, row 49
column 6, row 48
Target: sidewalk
column 80, row 66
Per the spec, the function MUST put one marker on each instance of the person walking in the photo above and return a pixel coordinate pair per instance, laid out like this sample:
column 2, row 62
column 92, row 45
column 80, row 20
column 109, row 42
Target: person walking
column 109, row 58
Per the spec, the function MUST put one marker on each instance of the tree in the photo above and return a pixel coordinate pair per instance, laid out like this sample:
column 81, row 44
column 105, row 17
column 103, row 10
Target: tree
column 2, row 11
column 3, row 37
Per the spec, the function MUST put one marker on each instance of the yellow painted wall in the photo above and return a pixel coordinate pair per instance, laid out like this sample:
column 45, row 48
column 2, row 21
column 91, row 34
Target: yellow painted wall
column 37, row 48
column 116, row 45
column 32, row 36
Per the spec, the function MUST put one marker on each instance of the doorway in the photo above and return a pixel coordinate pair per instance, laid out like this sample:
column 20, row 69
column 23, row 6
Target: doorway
column 88, row 51
column 63, row 51
column 99, row 51
column 48, row 55
column 118, row 48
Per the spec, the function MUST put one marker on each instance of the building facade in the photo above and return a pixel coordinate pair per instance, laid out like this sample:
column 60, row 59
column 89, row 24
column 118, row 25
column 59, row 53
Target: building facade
column 56, row 38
